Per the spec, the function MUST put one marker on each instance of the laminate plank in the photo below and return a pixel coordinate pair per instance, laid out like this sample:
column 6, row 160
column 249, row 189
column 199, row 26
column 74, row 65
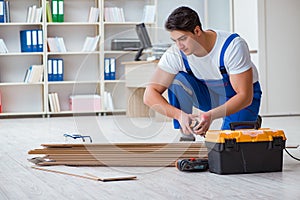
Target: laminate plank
column 19, row 181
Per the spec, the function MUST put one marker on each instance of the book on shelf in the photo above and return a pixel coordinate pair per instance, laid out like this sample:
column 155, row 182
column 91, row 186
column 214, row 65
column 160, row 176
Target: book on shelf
column 3, row 48
column 31, row 40
column 114, row 14
column 90, row 44
column 93, row 15
column 108, row 102
column 48, row 12
column 56, row 44
column 4, row 11
column 54, row 104
column 34, row 74
column 149, row 14
column 109, row 68
column 57, row 9
column 55, row 69
column 34, row 14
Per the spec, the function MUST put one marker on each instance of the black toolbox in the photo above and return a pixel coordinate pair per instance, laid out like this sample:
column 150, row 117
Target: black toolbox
column 245, row 150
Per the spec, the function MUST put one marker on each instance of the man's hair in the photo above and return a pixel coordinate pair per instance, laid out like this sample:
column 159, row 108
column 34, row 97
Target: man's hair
column 183, row 19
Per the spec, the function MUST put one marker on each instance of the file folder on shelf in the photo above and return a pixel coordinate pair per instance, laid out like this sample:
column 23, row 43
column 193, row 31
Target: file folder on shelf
column 2, row 11
column 60, row 11
column 109, row 68
column 26, row 41
column 112, row 69
column 34, row 40
column 54, row 69
column 50, row 71
column 60, row 70
column 106, row 69
column 40, row 42
column 54, row 10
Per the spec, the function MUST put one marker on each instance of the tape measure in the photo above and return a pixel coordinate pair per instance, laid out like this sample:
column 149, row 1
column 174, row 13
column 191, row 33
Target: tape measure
column 192, row 165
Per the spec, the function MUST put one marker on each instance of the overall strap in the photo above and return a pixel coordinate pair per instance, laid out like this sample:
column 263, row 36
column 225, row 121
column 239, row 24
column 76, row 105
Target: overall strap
column 226, row 44
column 222, row 65
column 186, row 63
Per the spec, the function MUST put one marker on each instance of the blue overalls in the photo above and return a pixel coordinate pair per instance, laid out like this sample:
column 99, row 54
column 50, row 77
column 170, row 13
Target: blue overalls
column 187, row 91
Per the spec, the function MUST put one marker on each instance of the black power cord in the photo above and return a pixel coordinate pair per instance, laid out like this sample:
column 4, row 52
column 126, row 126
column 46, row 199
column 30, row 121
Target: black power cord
column 298, row 159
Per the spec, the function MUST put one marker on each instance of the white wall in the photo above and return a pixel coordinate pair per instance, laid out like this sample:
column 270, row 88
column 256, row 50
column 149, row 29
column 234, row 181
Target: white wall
column 279, row 28
column 165, row 7
column 218, row 14
column 245, row 21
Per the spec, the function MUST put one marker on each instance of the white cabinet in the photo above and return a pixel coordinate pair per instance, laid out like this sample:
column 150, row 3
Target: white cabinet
column 121, row 30
column 83, row 71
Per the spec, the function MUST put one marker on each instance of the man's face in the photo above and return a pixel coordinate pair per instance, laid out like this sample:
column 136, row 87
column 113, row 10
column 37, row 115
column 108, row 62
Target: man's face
column 186, row 41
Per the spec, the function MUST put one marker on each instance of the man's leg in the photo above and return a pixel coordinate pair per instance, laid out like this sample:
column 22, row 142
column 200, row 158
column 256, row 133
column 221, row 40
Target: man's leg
column 249, row 113
column 187, row 91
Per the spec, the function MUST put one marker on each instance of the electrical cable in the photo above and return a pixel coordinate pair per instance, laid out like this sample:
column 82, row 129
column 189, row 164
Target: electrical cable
column 298, row 159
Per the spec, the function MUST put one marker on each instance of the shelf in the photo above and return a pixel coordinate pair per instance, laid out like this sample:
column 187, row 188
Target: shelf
column 121, row 111
column 119, row 52
column 72, row 82
column 22, row 54
column 21, row 24
column 73, row 53
column 21, row 84
column 114, row 81
column 21, row 113
column 126, row 23
column 72, row 24
column 83, row 72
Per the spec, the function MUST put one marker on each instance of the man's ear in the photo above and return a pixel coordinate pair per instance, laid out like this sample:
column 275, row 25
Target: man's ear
column 197, row 31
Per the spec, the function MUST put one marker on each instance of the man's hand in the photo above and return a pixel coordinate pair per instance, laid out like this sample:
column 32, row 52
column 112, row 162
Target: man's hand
column 185, row 122
column 204, row 123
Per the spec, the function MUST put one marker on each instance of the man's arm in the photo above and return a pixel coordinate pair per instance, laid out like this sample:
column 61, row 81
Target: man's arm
column 159, row 82
column 243, row 86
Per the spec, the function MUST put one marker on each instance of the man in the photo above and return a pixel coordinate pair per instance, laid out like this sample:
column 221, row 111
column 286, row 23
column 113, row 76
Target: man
column 208, row 69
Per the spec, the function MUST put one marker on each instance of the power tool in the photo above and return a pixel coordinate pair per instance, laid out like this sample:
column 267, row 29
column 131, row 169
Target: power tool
column 192, row 164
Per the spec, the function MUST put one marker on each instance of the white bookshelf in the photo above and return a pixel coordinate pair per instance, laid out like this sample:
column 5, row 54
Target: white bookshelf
column 83, row 71
column 133, row 14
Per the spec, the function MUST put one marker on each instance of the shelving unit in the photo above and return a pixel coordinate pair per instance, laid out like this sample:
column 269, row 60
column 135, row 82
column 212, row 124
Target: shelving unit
column 83, row 71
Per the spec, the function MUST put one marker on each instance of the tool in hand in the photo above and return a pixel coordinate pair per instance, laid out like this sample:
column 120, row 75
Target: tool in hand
column 192, row 165
column 189, row 137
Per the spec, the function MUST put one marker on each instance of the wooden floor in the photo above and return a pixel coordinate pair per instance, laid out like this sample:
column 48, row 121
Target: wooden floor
column 19, row 181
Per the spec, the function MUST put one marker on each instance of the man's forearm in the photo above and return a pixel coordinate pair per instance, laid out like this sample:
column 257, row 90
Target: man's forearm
column 157, row 102
column 233, row 105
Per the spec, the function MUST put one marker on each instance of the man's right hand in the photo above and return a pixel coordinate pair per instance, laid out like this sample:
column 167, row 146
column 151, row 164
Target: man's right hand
column 185, row 123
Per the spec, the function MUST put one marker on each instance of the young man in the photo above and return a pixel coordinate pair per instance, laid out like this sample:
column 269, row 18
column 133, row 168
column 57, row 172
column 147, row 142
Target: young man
column 208, row 69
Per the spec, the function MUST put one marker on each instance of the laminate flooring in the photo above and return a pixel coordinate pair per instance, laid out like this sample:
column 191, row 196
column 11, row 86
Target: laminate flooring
column 19, row 181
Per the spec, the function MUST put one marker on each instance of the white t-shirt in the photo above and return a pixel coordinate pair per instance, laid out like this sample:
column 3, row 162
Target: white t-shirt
column 236, row 59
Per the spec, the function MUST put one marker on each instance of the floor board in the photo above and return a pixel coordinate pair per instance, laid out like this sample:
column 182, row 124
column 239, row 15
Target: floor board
column 19, row 181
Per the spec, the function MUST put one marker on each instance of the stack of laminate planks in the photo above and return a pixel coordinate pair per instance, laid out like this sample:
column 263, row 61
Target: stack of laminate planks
column 120, row 154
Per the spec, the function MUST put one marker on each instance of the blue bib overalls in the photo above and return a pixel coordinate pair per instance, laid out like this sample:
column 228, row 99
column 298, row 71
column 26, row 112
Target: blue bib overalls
column 187, row 91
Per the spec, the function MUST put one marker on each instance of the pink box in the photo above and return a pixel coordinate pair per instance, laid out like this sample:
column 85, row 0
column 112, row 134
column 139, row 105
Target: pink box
column 85, row 103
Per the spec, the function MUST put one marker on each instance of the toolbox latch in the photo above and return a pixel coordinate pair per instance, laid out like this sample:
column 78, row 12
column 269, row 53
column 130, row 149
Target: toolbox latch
column 277, row 143
column 231, row 145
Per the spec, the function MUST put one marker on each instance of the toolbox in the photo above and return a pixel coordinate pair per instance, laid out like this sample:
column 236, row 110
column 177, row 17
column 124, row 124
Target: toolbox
column 245, row 150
